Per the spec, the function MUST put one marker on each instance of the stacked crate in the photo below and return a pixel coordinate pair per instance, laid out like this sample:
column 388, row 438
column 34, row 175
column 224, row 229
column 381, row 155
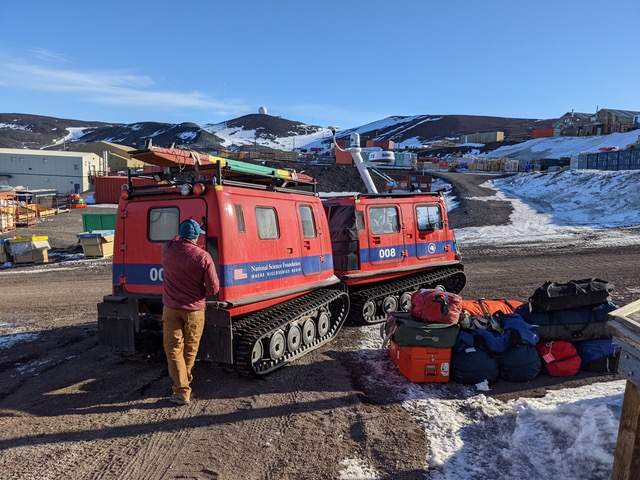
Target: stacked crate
column 7, row 216
column 32, row 249
column 76, row 201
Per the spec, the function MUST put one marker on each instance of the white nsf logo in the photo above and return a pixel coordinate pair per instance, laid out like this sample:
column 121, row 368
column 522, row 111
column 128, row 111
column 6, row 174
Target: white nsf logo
column 432, row 248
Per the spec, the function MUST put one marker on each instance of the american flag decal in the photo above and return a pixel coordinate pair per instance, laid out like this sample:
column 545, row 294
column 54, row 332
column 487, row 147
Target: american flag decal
column 239, row 274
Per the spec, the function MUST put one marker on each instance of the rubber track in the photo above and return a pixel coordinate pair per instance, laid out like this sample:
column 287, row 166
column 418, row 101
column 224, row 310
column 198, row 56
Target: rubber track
column 260, row 325
column 453, row 279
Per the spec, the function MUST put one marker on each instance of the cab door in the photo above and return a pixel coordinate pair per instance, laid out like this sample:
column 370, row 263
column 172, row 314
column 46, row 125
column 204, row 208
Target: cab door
column 147, row 225
column 386, row 238
column 431, row 239
column 310, row 236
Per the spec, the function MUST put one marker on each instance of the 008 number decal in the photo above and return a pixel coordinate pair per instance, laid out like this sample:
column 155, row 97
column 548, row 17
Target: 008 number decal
column 155, row 274
column 387, row 252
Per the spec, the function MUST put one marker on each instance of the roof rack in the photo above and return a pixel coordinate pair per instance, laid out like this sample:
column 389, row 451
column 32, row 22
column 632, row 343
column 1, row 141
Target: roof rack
column 179, row 164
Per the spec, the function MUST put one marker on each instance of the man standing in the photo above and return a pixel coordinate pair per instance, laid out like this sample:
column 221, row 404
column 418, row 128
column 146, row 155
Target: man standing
column 189, row 275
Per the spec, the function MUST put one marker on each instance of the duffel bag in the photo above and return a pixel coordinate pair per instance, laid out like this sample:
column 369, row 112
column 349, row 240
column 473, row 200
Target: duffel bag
column 436, row 305
column 513, row 331
column 560, row 358
column 517, row 357
column 487, row 354
column 408, row 332
column 471, row 365
column 520, row 363
column 572, row 324
column 575, row 293
column 600, row 356
column 483, row 306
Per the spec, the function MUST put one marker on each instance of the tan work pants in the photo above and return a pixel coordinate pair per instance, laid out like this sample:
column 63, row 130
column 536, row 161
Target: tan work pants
column 181, row 333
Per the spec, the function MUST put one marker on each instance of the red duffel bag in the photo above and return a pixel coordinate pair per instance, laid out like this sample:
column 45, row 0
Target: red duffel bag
column 436, row 306
column 560, row 358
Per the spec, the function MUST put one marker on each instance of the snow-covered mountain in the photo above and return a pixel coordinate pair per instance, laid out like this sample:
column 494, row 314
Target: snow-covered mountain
column 266, row 132
column 249, row 131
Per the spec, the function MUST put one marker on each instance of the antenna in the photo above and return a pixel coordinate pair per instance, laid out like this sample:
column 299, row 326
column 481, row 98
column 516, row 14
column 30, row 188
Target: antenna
column 354, row 149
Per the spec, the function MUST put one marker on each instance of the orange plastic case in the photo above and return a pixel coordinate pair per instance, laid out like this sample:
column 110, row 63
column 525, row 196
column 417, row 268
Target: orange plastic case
column 422, row 364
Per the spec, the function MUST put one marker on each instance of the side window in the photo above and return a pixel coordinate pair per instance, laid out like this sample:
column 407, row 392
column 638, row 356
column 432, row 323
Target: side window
column 429, row 217
column 384, row 220
column 308, row 222
column 163, row 223
column 267, row 221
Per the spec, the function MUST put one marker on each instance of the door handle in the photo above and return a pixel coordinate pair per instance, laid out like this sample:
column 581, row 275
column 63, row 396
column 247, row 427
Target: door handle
column 307, row 244
column 375, row 239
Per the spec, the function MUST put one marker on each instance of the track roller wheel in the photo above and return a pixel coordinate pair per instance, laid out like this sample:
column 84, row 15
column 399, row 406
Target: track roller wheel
column 405, row 302
column 323, row 323
column 294, row 337
column 257, row 352
column 308, row 331
column 277, row 345
column 369, row 310
column 390, row 304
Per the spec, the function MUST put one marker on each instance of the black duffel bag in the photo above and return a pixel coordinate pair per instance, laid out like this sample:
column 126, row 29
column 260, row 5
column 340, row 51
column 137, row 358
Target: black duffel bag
column 573, row 294
column 570, row 324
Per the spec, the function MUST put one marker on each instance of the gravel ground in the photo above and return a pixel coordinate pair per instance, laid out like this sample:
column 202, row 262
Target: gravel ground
column 71, row 409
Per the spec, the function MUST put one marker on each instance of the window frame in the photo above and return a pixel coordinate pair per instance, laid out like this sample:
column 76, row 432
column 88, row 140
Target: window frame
column 311, row 221
column 380, row 225
column 430, row 226
column 151, row 223
column 262, row 226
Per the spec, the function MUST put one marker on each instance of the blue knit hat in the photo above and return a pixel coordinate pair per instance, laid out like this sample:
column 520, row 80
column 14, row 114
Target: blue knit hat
column 190, row 229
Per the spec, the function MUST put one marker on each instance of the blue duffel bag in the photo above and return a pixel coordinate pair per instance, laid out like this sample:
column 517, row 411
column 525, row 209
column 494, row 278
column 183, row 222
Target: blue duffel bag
column 471, row 365
column 520, row 363
column 571, row 324
column 486, row 355
column 599, row 356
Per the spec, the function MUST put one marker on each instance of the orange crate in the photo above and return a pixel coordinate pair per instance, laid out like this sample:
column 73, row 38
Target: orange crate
column 422, row 364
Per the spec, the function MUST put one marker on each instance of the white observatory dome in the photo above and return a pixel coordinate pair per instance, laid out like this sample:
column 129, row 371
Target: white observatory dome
column 262, row 110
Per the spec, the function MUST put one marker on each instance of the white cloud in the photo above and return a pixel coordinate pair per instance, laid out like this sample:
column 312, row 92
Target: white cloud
column 104, row 86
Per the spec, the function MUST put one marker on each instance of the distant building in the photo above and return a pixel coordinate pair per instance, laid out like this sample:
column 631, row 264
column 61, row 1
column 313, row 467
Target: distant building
column 66, row 172
column 573, row 124
column 115, row 157
column 603, row 122
column 486, row 137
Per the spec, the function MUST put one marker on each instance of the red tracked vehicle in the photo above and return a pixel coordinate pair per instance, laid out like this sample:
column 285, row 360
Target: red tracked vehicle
column 275, row 245
column 388, row 245
column 279, row 297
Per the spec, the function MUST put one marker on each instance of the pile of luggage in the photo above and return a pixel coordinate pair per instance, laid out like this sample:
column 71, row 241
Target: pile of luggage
column 559, row 331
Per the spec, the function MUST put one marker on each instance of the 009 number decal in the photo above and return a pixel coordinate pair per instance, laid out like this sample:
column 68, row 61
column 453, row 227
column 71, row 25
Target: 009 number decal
column 155, row 274
column 387, row 252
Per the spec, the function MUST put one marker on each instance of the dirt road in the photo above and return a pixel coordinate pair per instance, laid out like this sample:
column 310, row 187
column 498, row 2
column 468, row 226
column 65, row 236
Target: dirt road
column 71, row 409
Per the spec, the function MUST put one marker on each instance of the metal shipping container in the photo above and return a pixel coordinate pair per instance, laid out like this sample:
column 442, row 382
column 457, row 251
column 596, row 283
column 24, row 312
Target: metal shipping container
column 107, row 189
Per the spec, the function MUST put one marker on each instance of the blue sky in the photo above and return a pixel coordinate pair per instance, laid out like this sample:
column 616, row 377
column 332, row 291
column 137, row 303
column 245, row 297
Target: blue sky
column 344, row 63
